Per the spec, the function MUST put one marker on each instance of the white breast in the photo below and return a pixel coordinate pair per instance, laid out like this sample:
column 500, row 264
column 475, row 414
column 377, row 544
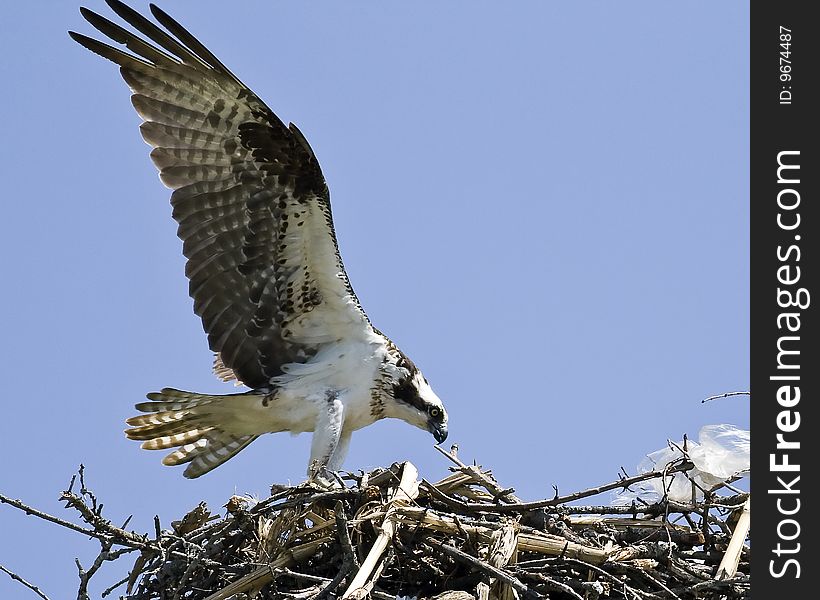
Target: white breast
column 347, row 370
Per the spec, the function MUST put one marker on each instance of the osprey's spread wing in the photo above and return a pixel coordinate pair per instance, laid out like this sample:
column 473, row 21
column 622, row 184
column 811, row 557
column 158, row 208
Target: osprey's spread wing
column 252, row 205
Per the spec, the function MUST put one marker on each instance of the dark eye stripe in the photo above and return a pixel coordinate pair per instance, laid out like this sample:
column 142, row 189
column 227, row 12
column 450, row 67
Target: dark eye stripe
column 406, row 392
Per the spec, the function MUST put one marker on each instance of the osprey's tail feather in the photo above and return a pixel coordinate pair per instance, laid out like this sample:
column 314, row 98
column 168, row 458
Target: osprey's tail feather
column 189, row 422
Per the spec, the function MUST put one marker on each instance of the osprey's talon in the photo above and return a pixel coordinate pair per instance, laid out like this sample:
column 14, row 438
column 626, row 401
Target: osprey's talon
column 325, row 479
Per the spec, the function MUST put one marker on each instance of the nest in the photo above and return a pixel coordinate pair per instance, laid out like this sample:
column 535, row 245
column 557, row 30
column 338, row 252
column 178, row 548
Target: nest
column 391, row 534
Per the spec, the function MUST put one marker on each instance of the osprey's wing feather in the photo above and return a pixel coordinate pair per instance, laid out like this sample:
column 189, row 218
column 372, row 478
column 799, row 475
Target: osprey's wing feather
column 252, row 205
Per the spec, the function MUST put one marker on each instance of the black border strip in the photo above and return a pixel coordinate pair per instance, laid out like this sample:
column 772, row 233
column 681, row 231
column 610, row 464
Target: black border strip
column 785, row 229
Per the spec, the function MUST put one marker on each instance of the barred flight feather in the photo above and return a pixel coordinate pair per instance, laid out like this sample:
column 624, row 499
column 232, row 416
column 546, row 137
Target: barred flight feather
column 192, row 421
column 174, row 440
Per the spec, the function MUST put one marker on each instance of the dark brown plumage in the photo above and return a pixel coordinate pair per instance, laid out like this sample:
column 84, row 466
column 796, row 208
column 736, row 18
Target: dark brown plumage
column 244, row 185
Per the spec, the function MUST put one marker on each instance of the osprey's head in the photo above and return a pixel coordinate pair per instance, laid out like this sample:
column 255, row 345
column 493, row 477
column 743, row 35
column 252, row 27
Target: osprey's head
column 413, row 400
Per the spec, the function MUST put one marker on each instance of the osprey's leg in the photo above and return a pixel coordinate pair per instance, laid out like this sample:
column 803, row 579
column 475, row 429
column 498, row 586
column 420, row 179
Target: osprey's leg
column 338, row 456
column 327, row 435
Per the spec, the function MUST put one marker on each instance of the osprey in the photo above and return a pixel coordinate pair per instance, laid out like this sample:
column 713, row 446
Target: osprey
column 265, row 273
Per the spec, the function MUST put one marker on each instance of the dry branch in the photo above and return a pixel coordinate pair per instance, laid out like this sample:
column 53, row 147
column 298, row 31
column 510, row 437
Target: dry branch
column 25, row 583
column 405, row 493
column 728, row 566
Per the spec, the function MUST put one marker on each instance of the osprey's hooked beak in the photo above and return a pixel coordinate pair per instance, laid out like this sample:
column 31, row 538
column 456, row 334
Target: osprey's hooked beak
column 439, row 430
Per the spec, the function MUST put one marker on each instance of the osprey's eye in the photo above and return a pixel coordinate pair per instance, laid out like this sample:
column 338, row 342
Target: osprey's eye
column 435, row 412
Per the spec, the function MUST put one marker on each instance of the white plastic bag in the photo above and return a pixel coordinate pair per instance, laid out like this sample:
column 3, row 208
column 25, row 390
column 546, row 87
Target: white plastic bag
column 721, row 453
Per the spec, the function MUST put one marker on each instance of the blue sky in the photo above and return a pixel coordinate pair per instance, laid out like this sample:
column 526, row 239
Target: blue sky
column 545, row 205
